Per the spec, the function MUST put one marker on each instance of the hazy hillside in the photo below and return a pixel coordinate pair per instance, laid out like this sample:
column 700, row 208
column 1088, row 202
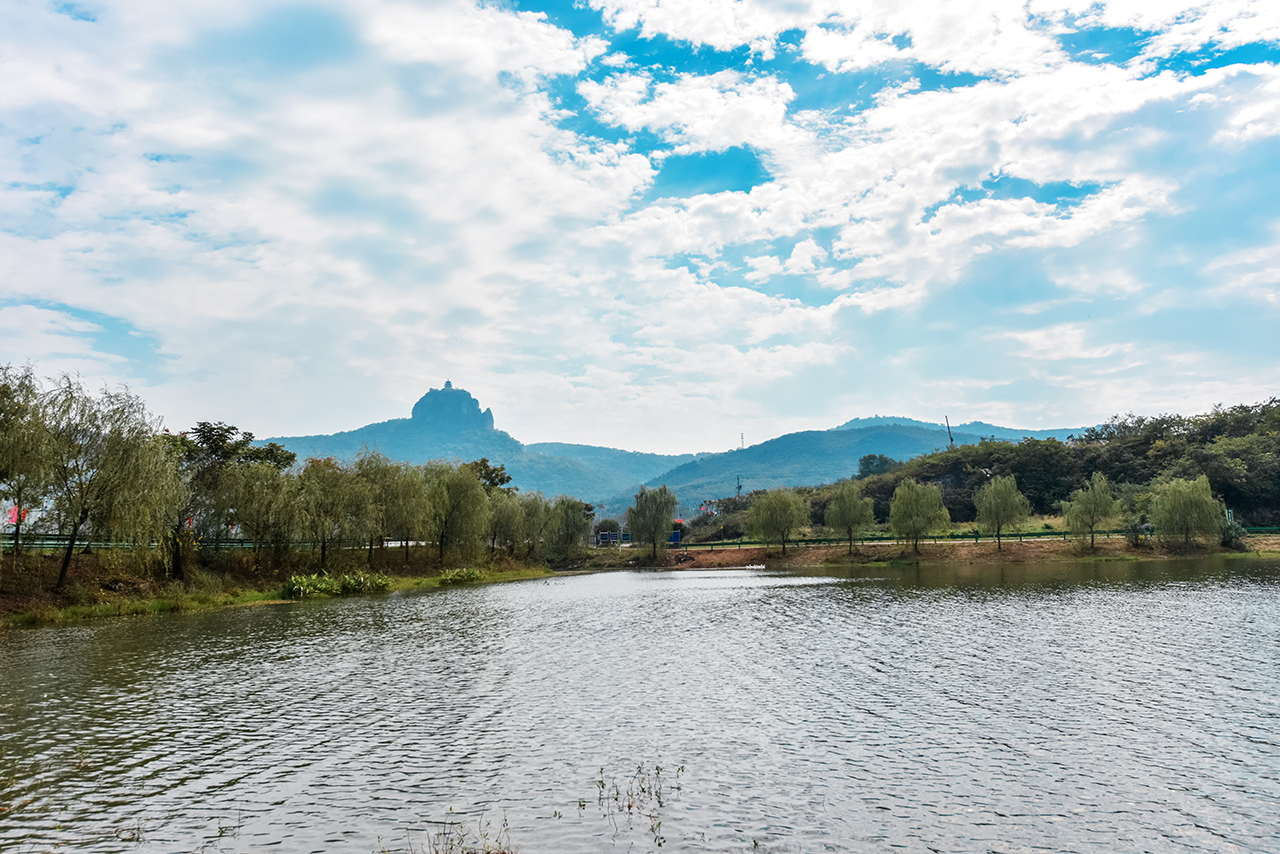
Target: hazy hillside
column 796, row 459
column 448, row 423
column 976, row 428
column 628, row 467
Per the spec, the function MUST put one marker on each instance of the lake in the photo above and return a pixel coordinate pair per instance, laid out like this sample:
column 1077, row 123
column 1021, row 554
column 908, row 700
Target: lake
column 1103, row 707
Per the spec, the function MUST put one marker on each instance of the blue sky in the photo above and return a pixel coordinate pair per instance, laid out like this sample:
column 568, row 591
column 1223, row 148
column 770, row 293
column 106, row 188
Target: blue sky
column 651, row 225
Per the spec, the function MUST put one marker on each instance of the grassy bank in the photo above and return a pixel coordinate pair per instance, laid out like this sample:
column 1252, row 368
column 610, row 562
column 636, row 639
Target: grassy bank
column 107, row 585
column 103, row 586
column 943, row 551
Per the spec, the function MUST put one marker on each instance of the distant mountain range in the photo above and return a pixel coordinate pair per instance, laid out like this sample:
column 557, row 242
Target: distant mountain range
column 977, row 428
column 447, row 423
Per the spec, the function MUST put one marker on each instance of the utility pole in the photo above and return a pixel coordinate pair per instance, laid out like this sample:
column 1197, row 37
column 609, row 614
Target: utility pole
column 739, row 486
column 951, row 443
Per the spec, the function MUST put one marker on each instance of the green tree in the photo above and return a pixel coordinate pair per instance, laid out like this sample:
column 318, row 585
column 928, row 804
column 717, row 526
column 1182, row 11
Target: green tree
column 916, row 511
column 399, row 495
column 849, row 512
column 101, row 448
column 1185, row 509
column 1000, row 505
column 337, row 506
column 776, row 515
column 267, row 506
column 572, row 522
column 1091, row 507
column 876, row 464
column 25, row 464
column 204, row 453
column 458, row 508
column 494, row 478
column 649, row 518
column 506, row 521
column 536, row 520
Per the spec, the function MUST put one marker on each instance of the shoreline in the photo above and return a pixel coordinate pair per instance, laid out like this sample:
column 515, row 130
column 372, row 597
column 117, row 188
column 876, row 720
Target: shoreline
column 210, row 591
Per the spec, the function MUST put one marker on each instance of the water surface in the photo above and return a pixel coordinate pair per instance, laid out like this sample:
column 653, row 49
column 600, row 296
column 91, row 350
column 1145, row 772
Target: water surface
column 1094, row 707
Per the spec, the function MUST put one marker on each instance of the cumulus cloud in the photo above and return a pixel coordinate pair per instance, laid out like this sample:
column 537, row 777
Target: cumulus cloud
column 295, row 202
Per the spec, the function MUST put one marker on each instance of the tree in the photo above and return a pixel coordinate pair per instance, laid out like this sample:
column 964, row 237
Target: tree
column 1185, row 508
column 1091, row 507
column 1001, row 505
column 267, row 506
column 572, row 521
column 101, row 447
column 536, row 519
column 506, row 521
column 458, row 508
column 494, row 478
column 774, row 516
column 204, row 453
column 24, row 447
column 399, row 495
column 337, row 505
column 649, row 518
column 917, row 510
column 876, row 464
column 849, row 512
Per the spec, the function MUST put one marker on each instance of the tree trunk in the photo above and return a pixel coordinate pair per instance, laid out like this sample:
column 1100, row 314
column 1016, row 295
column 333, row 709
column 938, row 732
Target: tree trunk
column 71, row 545
column 176, row 569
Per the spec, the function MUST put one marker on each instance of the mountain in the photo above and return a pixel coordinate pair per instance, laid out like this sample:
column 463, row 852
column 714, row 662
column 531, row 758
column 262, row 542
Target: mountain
column 796, row 459
column 978, row 428
column 447, row 423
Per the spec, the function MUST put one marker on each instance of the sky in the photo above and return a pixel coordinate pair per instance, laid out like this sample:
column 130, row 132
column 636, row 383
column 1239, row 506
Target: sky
column 659, row 225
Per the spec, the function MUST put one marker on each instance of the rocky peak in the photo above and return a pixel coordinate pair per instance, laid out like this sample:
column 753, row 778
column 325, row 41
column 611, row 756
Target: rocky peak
column 451, row 409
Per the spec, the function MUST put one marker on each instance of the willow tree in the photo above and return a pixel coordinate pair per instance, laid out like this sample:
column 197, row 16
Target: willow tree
column 571, row 522
column 24, row 448
column 204, row 454
column 1185, row 509
column 506, row 521
column 849, row 512
column 457, row 508
column 1091, row 507
column 916, row 510
column 650, row 517
column 267, row 506
column 1000, row 505
column 536, row 521
column 337, row 505
column 777, row 515
column 101, row 448
column 399, row 496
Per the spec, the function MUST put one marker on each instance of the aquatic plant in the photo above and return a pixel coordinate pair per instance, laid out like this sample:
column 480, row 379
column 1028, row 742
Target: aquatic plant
column 642, row 796
column 343, row 584
column 466, row 575
column 458, row 837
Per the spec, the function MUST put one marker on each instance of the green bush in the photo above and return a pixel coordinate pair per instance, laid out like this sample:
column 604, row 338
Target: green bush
column 346, row 584
column 467, row 575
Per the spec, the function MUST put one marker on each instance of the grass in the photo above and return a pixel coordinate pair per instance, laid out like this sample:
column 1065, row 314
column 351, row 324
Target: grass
column 209, row 591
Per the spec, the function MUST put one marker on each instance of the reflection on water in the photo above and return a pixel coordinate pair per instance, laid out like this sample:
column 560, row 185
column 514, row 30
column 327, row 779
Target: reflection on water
column 1084, row 707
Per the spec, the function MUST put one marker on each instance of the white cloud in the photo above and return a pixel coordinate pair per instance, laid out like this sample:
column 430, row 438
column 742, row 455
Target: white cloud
column 697, row 113
column 1061, row 342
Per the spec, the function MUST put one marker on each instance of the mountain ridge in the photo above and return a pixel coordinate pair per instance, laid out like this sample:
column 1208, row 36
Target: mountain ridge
column 448, row 423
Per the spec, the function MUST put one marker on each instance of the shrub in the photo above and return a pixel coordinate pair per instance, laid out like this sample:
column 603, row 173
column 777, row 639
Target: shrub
column 467, row 575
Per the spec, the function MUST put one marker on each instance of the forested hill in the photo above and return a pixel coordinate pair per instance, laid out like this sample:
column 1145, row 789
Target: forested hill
column 977, row 428
column 796, row 459
column 447, row 423
column 1237, row 449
